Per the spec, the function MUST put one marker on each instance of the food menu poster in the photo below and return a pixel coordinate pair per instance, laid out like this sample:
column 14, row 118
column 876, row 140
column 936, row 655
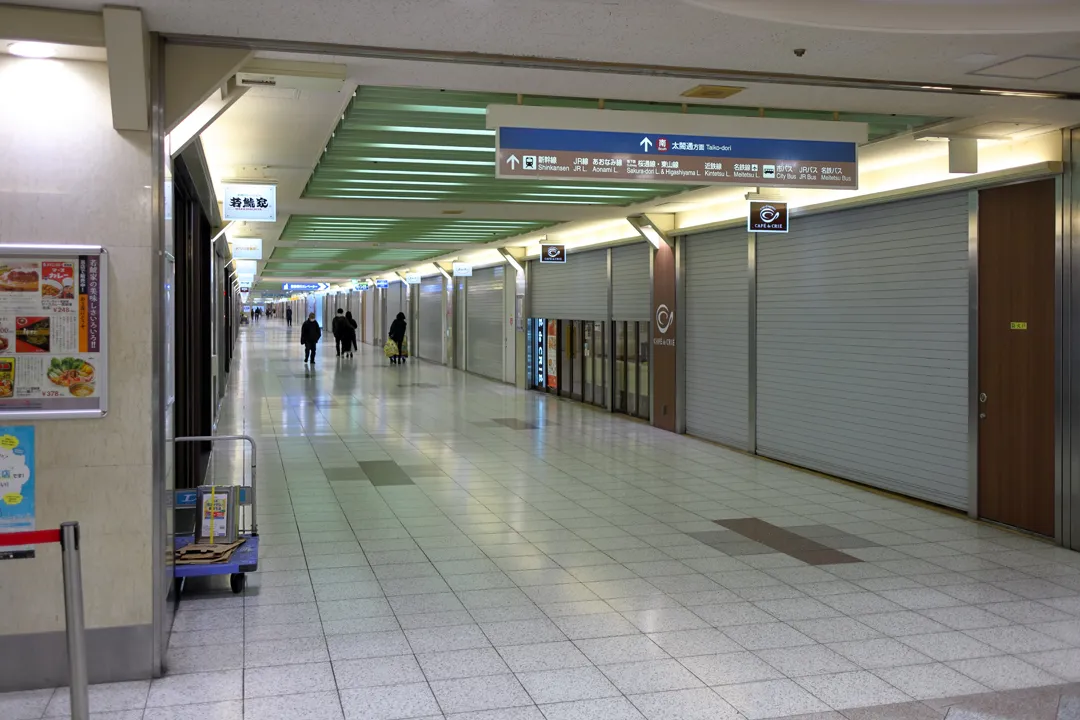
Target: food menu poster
column 17, row 513
column 51, row 333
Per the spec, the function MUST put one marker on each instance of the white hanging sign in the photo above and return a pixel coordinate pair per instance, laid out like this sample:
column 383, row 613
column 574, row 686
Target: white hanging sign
column 247, row 202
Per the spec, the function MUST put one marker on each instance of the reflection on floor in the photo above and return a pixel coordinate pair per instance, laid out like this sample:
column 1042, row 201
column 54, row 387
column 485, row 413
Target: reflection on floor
column 436, row 545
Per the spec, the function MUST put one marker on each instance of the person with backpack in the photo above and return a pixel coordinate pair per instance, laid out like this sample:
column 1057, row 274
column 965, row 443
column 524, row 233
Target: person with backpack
column 310, row 334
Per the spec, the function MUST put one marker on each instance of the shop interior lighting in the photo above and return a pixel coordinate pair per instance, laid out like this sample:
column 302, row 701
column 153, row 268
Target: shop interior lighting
column 649, row 231
column 37, row 50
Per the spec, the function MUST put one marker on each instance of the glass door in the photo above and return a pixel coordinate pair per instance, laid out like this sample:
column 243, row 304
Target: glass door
column 644, row 333
column 587, row 377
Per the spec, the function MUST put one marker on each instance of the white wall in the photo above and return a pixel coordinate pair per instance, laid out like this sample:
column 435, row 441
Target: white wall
column 67, row 177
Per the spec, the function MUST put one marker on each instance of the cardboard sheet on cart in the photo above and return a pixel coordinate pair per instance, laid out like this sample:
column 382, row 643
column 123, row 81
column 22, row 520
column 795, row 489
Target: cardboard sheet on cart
column 206, row 553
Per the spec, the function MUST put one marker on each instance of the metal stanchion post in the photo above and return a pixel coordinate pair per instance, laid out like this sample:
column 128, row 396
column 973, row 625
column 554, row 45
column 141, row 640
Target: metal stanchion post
column 76, row 629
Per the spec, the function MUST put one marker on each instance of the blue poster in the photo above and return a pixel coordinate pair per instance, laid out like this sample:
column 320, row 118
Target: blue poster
column 16, row 486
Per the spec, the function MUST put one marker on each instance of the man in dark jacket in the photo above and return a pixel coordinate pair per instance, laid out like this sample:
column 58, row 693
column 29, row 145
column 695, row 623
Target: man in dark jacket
column 337, row 329
column 397, row 334
column 310, row 334
column 288, row 317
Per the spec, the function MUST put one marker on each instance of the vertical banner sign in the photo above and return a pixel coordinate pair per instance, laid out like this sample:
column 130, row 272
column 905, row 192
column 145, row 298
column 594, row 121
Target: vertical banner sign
column 541, row 362
column 664, row 360
column 553, row 354
column 17, row 486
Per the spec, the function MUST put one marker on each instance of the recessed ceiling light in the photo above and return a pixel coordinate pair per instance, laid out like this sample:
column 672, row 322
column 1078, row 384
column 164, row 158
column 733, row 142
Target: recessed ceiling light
column 32, row 49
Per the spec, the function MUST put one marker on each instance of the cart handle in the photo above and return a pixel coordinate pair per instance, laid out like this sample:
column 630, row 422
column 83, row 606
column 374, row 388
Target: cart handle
column 251, row 441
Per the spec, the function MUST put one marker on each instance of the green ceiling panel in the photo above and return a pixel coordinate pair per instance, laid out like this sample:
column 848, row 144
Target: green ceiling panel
column 432, row 145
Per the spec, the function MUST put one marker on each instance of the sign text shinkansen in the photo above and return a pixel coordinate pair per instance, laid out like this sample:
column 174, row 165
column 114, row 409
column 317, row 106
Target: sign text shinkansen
column 533, row 153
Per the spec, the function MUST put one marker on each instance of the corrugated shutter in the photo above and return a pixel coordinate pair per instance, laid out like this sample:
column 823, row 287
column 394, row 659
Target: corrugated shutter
column 630, row 282
column 431, row 325
column 717, row 337
column 460, row 326
column 485, row 308
column 395, row 303
column 369, row 316
column 576, row 290
column 863, row 346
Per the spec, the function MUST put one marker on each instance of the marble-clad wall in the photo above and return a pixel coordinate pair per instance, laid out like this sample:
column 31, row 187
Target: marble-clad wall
column 66, row 176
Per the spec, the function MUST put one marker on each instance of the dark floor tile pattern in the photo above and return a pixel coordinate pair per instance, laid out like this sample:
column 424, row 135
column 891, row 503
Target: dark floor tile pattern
column 344, row 474
column 785, row 541
column 515, row 424
column 385, row 472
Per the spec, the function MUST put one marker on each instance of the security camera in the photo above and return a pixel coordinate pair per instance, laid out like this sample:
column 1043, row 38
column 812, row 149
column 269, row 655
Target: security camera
column 799, row 52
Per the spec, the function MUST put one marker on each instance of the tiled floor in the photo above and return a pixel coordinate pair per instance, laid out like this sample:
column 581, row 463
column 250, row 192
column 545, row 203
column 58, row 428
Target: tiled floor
column 435, row 545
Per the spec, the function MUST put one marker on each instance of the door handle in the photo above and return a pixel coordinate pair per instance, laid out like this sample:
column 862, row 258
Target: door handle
column 982, row 397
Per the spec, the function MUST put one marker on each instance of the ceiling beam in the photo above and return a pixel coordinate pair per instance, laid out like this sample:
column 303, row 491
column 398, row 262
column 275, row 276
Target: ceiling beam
column 345, row 245
column 423, row 209
column 61, row 27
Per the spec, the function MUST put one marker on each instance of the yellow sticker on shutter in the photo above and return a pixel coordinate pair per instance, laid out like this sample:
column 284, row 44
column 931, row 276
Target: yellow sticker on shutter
column 1018, row 326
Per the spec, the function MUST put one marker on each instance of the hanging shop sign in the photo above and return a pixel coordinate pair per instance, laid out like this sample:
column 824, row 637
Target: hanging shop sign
column 553, row 253
column 382, row 284
column 246, row 248
column 413, row 278
column 462, row 270
column 536, row 153
column 767, row 217
column 249, row 202
column 53, row 331
column 17, row 493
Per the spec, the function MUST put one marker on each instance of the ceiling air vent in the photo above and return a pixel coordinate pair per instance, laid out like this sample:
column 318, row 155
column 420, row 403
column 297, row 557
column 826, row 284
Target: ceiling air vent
column 712, row 92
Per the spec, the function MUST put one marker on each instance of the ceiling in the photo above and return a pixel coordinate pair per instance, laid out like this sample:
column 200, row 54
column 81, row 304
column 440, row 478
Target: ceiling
column 412, row 144
column 671, row 33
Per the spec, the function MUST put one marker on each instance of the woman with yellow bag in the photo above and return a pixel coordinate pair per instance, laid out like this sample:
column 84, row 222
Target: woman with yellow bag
column 396, row 348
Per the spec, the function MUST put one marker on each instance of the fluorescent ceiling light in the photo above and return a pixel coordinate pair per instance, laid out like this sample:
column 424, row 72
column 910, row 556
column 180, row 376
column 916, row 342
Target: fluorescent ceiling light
column 32, row 49
column 648, row 230
column 443, row 272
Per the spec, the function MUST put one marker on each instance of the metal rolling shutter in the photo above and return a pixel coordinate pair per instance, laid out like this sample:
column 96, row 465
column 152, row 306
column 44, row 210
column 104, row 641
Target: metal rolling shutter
column 431, row 325
column 862, row 326
column 717, row 337
column 395, row 303
column 630, row 283
column 576, row 290
column 485, row 308
column 369, row 316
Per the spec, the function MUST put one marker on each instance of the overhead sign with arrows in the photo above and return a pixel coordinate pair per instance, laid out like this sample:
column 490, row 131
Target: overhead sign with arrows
column 305, row 287
column 536, row 153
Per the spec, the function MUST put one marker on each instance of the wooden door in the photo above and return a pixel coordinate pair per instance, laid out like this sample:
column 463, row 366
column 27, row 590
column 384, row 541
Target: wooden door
column 1017, row 228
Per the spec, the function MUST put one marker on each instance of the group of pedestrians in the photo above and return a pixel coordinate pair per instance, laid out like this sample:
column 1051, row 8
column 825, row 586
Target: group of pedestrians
column 344, row 327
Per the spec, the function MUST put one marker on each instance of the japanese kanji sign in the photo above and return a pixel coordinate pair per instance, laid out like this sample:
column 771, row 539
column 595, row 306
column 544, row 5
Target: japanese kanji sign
column 249, row 202
column 533, row 153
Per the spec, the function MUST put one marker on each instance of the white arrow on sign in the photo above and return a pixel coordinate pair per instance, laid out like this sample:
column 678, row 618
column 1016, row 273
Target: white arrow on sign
column 646, row 143
column 513, row 161
column 324, row 286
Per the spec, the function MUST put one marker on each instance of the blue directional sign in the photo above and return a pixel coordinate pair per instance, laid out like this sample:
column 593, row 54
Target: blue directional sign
column 304, row 287
column 534, row 153
column 382, row 284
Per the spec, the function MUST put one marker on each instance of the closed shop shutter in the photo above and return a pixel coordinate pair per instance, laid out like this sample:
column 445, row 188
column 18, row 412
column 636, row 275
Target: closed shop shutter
column 717, row 337
column 862, row 327
column 431, row 325
column 630, row 284
column 369, row 316
column 576, row 290
column 395, row 303
column 485, row 309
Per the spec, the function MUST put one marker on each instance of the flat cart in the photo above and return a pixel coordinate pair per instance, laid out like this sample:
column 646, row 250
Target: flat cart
column 245, row 558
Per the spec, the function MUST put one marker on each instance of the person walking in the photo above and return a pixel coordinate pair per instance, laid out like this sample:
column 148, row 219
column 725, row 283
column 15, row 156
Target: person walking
column 348, row 334
column 310, row 334
column 397, row 334
column 335, row 330
column 288, row 317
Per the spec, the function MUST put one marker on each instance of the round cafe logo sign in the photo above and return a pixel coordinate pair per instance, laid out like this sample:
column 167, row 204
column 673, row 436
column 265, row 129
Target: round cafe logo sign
column 768, row 214
column 553, row 251
column 664, row 318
